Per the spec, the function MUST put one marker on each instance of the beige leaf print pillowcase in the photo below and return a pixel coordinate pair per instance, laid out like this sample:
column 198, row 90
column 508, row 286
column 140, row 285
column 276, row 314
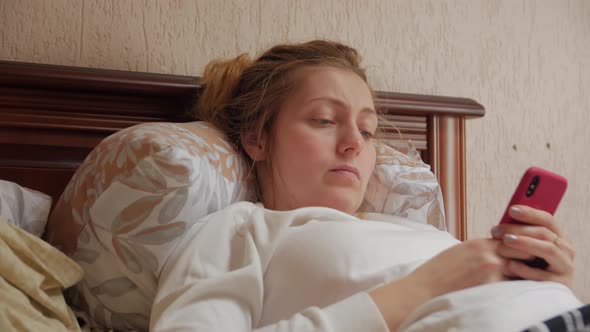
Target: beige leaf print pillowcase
column 128, row 205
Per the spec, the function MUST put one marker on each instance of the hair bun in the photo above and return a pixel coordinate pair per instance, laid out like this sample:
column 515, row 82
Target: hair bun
column 218, row 82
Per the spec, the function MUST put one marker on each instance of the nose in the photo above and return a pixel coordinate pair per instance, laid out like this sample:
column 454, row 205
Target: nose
column 351, row 141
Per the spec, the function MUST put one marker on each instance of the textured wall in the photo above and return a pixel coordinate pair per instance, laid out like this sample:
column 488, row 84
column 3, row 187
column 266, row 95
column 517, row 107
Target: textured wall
column 528, row 62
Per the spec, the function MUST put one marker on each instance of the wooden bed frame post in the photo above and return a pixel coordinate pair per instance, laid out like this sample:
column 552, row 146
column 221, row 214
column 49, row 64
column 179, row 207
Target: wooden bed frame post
column 446, row 134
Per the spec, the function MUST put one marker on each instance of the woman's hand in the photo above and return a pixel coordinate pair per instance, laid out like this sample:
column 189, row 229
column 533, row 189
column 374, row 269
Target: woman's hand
column 464, row 265
column 538, row 237
column 468, row 264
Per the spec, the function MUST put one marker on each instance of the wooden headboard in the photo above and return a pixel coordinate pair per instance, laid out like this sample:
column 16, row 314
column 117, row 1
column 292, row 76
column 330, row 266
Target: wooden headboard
column 52, row 116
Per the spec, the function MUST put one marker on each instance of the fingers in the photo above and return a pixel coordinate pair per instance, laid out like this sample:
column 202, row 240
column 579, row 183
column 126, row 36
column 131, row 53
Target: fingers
column 564, row 245
column 521, row 270
column 518, row 269
column 537, row 224
column 537, row 235
column 536, row 232
column 531, row 216
column 512, row 253
column 559, row 259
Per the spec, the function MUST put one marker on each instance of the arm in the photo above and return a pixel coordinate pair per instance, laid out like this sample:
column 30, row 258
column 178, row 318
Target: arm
column 468, row 264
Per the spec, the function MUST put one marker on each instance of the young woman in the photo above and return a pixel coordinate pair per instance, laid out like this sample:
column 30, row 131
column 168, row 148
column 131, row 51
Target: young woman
column 303, row 116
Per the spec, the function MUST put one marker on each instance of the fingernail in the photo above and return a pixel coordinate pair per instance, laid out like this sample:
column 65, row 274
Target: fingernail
column 515, row 211
column 510, row 238
column 513, row 265
column 496, row 232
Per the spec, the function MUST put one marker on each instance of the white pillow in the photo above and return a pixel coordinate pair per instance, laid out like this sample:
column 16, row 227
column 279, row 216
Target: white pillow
column 28, row 209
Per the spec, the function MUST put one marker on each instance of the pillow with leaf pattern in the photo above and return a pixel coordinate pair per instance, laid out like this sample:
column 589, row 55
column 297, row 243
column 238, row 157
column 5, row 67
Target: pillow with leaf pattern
column 128, row 205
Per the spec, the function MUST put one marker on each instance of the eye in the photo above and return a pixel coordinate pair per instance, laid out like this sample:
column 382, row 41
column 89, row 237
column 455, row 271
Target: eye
column 367, row 134
column 323, row 122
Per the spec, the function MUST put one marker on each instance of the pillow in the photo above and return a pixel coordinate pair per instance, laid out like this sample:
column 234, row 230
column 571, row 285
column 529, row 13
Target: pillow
column 28, row 209
column 140, row 189
column 128, row 205
column 403, row 185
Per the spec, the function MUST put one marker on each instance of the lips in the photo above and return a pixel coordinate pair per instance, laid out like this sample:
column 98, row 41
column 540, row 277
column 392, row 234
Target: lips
column 349, row 169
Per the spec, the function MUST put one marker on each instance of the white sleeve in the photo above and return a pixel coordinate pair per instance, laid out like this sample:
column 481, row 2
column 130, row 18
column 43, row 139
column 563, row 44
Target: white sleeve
column 214, row 282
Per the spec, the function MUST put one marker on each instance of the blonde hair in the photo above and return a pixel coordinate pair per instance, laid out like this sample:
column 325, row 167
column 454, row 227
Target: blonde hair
column 242, row 96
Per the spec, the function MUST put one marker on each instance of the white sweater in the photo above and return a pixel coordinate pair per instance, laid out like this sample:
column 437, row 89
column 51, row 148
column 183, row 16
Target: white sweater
column 247, row 268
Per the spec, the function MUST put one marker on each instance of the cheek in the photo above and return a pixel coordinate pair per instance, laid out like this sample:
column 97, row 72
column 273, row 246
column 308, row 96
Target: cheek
column 305, row 144
column 298, row 150
column 369, row 161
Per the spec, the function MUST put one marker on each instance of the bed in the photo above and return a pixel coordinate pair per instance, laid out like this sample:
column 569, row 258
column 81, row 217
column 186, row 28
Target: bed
column 52, row 116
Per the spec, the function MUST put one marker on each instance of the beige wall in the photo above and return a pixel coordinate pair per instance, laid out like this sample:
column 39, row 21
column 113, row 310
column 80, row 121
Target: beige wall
column 528, row 62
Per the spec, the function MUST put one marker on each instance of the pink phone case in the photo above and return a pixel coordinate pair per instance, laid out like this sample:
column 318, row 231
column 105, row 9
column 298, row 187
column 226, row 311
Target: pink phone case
column 538, row 188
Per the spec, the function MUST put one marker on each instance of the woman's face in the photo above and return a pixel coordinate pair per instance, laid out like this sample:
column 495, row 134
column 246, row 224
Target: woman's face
column 322, row 152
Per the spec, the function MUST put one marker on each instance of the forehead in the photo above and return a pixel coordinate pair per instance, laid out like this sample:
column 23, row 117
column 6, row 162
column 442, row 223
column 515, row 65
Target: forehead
column 322, row 81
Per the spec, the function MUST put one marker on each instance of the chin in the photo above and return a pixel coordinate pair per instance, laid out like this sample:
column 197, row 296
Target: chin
column 344, row 204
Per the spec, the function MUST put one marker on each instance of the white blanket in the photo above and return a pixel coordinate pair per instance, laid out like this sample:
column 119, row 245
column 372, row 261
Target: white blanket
column 503, row 306
column 310, row 269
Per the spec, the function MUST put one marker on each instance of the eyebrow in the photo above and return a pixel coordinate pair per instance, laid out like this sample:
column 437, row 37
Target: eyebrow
column 341, row 104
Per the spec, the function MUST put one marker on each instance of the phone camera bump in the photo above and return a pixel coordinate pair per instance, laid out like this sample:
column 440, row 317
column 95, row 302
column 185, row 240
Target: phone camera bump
column 532, row 186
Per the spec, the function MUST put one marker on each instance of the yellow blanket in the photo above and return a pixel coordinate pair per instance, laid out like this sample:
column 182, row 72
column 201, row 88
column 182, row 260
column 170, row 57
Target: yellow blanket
column 33, row 275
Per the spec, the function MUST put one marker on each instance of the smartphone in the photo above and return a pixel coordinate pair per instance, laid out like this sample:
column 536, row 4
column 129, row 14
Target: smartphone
column 538, row 188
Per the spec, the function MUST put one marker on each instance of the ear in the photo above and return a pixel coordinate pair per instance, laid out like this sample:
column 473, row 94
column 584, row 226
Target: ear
column 255, row 148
